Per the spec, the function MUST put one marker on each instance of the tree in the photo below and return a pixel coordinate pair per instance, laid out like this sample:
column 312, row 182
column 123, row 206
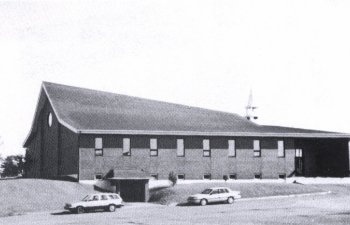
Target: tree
column 12, row 166
column 172, row 177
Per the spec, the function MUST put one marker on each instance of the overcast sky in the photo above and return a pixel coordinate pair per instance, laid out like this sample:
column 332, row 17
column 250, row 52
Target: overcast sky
column 295, row 55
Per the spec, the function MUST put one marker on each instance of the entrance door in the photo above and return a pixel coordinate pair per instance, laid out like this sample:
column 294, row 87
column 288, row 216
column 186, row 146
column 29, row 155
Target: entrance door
column 299, row 164
column 132, row 190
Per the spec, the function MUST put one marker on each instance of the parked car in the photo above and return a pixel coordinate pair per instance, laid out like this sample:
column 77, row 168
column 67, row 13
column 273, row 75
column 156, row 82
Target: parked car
column 215, row 194
column 104, row 201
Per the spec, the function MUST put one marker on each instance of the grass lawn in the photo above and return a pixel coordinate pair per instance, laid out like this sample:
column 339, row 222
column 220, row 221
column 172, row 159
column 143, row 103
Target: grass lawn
column 23, row 195
column 180, row 192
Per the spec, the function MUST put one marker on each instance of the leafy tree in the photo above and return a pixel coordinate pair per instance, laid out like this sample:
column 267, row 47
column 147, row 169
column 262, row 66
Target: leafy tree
column 12, row 166
column 172, row 177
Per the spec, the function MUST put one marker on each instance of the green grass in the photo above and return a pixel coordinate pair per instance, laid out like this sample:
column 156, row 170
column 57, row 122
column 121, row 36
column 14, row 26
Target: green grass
column 18, row 196
column 180, row 192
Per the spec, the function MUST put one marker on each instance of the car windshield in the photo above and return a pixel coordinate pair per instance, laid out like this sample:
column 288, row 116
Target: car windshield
column 87, row 198
column 206, row 191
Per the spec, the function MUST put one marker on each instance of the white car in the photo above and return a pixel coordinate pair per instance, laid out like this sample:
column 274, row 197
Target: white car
column 216, row 194
column 105, row 201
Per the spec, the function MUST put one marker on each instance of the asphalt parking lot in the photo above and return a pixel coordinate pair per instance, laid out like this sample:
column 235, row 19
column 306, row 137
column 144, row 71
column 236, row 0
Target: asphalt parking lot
column 331, row 208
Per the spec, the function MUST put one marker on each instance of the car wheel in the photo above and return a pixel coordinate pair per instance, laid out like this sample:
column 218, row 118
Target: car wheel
column 203, row 202
column 111, row 208
column 80, row 210
column 230, row 200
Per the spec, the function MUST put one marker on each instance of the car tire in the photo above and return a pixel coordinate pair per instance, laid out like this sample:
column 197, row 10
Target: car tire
column 80, row 210
column 230, row 200
column 111, row 208
column 203, row 202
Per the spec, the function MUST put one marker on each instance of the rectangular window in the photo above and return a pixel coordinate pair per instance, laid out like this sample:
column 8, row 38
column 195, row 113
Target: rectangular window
column 180, row 148
column 233, row 176
column 155, row 176
column 153, row 143
column 282, row 176
column 231, row 148
column 126, row 147
column 153, row 147
column 98, row 147
column 206, row 144
column 181, row 176
column 257, row 150
column 98, row 152
column 154, row 152
column 98, row 176
column 206, row 148
column 207, row 176
column 98, row 143
column 298, row 153
column 281, row 151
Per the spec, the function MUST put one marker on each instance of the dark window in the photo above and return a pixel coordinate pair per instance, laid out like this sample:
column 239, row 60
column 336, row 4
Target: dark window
column 282, row 176
column 207, row 176
column 155, row 176
column 257, row 176
column 181, row 176
column 98, row 177
column 215, row 192
column 233, row 176
column 111, row 196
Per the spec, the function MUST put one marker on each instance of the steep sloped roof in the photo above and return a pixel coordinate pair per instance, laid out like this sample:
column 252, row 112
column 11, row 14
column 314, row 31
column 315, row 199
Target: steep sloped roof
column 90, row 111
column 86, row 109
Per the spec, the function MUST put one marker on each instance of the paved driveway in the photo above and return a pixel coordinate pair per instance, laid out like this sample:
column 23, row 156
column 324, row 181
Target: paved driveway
column 319, row 209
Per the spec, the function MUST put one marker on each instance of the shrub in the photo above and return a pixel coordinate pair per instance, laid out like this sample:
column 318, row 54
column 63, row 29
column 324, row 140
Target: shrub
column 225, row 177
column 172, row 177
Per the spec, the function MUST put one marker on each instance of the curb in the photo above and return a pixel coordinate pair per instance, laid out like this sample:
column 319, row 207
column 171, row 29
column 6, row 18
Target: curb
column 284, row 196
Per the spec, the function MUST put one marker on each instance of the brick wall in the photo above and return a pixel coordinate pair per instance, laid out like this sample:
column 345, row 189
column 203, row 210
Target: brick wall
column 193, row 165
column 53, row 150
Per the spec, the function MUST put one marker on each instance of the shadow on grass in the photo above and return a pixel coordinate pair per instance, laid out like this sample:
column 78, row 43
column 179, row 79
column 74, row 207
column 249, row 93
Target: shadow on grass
column 186, row 204
column 62, row 213
column 73, row 213
column 159, row 188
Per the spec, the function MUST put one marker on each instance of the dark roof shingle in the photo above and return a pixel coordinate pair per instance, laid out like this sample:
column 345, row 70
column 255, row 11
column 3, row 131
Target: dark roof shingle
column 90, row 111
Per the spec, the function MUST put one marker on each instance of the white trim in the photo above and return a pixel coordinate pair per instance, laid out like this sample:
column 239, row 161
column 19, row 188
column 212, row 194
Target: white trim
column 57, row 115
column 54, row 110
column 199, row 133
column 33, row 121
column 185, row 133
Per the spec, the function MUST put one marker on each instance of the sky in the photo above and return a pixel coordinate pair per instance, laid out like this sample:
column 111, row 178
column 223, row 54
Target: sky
column 294, row 55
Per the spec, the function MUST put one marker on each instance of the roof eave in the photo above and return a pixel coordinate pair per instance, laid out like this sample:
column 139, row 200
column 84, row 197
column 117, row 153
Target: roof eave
column 62, row 122
column 200, row 133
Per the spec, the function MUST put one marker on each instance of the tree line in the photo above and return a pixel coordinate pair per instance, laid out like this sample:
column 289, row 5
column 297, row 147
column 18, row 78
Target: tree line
column 12, row 166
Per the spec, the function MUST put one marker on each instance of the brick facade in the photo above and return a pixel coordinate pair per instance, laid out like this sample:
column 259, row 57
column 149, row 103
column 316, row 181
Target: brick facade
column 193, row 165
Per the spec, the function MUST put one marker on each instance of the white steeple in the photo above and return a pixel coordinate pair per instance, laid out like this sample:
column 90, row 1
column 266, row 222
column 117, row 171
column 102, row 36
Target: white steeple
column 251, row 109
